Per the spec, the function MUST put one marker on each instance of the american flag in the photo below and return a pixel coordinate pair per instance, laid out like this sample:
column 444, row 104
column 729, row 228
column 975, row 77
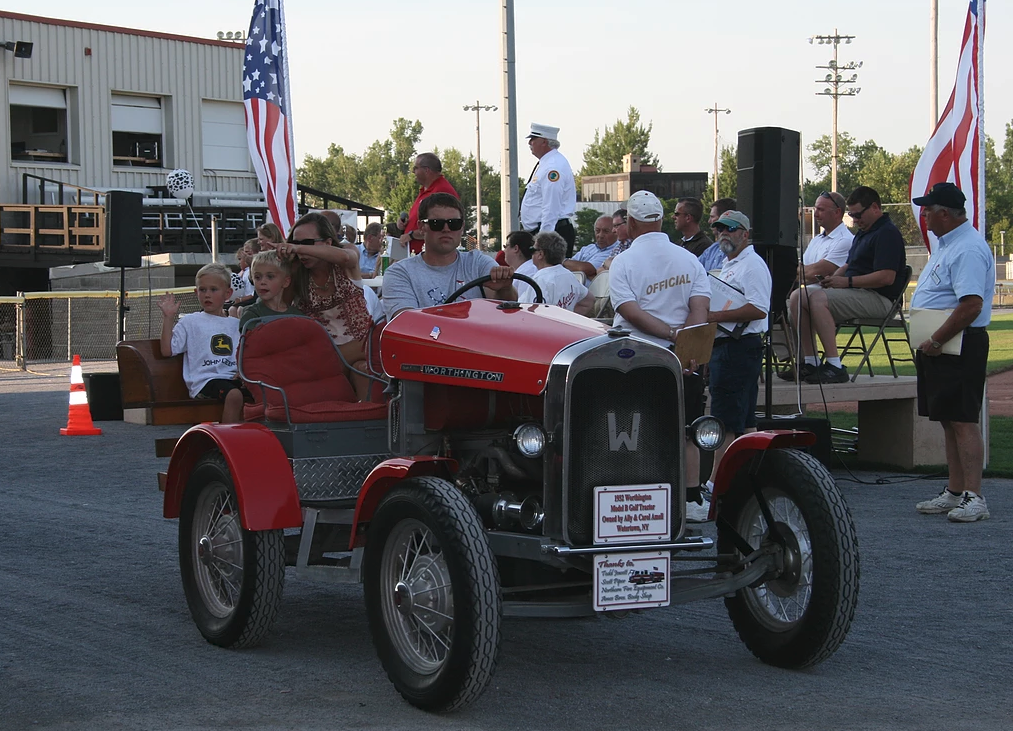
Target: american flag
column 955, row 152
column 268, row 122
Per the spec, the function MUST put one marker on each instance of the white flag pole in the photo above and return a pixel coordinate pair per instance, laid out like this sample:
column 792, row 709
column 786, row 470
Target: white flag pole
column 980, row 203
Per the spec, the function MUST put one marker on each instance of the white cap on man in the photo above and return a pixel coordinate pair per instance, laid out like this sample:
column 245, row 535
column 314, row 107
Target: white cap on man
column 645, row 206
column 544, row 131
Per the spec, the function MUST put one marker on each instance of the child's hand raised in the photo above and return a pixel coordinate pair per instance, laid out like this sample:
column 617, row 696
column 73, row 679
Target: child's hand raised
column 168, row 305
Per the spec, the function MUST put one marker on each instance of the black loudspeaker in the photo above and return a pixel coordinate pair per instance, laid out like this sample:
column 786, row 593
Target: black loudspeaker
column 124, row 239
column 768, row 184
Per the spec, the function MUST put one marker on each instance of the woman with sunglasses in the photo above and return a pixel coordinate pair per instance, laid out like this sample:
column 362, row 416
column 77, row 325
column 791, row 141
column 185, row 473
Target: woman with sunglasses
column 325, row 290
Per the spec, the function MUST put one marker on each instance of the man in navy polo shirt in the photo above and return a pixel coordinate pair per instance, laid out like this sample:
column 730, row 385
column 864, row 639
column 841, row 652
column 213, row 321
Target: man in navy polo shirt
column 959, row 278
column 865, row 286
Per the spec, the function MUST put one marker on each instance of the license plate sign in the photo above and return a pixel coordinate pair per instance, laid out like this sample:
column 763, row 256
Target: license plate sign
column 632, row 513
column 631, row 580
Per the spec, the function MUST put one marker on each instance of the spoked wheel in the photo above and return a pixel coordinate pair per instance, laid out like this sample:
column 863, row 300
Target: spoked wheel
column 232, row 577
column 800, row 614
column 432, row 594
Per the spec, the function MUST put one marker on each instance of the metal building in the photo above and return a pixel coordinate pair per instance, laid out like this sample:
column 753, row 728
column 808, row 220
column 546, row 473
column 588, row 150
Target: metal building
column 107, row 107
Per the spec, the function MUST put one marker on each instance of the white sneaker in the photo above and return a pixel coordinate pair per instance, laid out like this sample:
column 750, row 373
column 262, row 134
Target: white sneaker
column 697, row 512
column 943, row 503
column 972, row 507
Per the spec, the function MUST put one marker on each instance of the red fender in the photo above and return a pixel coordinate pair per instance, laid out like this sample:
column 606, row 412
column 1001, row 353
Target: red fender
column 742, row 450
column 383, row 477
column 261, row 473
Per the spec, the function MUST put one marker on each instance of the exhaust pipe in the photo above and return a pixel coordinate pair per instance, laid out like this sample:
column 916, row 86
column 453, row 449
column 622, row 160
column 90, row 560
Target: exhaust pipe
column 505, row 510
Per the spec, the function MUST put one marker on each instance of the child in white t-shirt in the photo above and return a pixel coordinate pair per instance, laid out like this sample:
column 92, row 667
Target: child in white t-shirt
column 208, row 340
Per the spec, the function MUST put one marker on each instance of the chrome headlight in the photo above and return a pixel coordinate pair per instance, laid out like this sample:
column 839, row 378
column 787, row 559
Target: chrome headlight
column 707, row 432
column 530, row 439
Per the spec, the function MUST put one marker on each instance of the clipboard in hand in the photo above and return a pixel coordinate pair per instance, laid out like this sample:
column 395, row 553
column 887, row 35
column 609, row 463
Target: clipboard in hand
column 922, row 323
column 725, row 296
column 695, row 343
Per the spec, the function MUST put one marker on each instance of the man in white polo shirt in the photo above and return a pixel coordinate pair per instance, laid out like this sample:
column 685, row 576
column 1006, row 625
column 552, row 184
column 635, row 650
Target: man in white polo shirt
column 826, row 253
column 657, row 288
column 738, row 348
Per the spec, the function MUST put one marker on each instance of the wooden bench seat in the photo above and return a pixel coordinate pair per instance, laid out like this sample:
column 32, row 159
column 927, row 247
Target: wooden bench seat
column 153, row 390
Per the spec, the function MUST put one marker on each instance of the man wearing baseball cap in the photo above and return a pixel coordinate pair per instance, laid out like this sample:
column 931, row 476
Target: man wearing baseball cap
column 960, row 280
column 551, row 194
column 657, row 288
column 738, row 348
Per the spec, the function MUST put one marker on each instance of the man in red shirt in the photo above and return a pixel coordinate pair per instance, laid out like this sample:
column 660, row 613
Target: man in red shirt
column 429, row 174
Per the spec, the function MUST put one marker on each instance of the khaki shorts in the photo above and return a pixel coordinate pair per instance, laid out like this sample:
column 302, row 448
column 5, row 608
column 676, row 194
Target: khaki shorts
column 849, row 304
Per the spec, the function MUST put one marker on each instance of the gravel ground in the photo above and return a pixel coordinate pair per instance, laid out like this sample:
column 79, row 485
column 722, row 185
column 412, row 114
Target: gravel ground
column 95, row 633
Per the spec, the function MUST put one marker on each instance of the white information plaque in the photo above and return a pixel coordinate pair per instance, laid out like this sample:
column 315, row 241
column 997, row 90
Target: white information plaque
column 632, row 513
column 631, row 580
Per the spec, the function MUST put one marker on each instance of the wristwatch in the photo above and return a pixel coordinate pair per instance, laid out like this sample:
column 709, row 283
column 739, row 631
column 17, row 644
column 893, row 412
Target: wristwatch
column 935, row 344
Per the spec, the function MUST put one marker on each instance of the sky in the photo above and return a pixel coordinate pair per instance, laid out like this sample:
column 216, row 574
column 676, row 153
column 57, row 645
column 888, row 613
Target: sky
column 580, row 65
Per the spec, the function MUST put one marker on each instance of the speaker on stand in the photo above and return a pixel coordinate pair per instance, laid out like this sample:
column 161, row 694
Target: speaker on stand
column 768, row 193
column 124, row 240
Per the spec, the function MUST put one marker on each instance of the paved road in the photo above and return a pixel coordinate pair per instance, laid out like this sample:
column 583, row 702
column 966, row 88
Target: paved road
column 95, row 633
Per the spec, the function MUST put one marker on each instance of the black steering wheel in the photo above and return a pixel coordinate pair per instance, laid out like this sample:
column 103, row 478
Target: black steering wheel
column 539, row 299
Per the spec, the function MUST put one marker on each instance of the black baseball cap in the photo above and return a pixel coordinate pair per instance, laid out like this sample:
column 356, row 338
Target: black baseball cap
column 947, row 195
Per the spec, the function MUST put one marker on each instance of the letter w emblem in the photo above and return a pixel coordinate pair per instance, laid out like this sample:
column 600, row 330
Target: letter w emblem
column 622, row 439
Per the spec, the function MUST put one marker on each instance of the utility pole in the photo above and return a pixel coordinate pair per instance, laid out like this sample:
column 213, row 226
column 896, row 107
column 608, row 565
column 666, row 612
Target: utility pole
column 478, row 108
column 509, row 188
column 836, row 81
column 715, row 110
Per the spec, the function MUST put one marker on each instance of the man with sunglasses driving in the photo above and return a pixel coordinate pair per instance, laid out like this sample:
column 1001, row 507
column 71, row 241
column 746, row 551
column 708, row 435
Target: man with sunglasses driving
column 864, row 287
column 428, row 279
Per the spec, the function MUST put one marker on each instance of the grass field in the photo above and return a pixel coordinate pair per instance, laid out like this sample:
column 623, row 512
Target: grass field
column 1000, row 350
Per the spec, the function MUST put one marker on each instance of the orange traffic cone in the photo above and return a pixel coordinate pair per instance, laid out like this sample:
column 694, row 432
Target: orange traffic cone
column 79, row 417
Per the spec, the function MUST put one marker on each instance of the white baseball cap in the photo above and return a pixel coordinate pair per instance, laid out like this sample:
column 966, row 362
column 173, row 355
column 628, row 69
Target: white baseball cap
column 645, row 206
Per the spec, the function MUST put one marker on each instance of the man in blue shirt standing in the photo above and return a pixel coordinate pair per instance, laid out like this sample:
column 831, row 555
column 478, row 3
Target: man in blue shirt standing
column 959, row 277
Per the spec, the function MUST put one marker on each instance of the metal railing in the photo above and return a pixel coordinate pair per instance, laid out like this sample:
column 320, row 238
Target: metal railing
column 53, row 327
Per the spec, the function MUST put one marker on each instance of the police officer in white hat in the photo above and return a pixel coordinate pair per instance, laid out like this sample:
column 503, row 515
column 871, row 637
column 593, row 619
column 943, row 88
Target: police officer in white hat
column 551, row 195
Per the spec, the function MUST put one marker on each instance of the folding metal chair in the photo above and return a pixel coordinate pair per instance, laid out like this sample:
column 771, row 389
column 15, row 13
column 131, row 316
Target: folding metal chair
column 894, row 321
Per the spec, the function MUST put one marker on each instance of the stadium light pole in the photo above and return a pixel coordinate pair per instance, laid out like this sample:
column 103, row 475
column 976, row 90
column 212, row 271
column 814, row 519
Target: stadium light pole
column 715, row 110
column 478, row 108
column 838, row 87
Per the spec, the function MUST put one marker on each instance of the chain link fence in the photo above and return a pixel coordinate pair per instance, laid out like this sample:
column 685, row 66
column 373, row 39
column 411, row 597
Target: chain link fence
column 53, row 327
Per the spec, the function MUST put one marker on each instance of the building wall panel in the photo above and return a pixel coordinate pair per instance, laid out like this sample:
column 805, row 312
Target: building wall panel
column 182, row 72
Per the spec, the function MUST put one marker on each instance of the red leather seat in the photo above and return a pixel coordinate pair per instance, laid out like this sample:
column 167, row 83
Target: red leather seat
column 296, row 355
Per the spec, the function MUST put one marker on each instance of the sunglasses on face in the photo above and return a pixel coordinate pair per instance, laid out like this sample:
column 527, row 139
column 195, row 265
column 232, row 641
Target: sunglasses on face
column 855, row 215
column 437, row 224
column 305, row 242
column 722, row 227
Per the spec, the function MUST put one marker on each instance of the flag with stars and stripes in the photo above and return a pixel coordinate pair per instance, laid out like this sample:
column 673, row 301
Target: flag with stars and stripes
column 956, row 153
column 268, row 106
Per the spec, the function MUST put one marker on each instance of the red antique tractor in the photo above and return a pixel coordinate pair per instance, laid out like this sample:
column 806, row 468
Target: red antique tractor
column 522, row 461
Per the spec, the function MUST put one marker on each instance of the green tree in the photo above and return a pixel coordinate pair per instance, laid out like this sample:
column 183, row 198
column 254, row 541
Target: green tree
column 728, row 177
column 851, row 158
column 999, row 187
column 604, row 156
column 585, row 227
column 380, row 177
